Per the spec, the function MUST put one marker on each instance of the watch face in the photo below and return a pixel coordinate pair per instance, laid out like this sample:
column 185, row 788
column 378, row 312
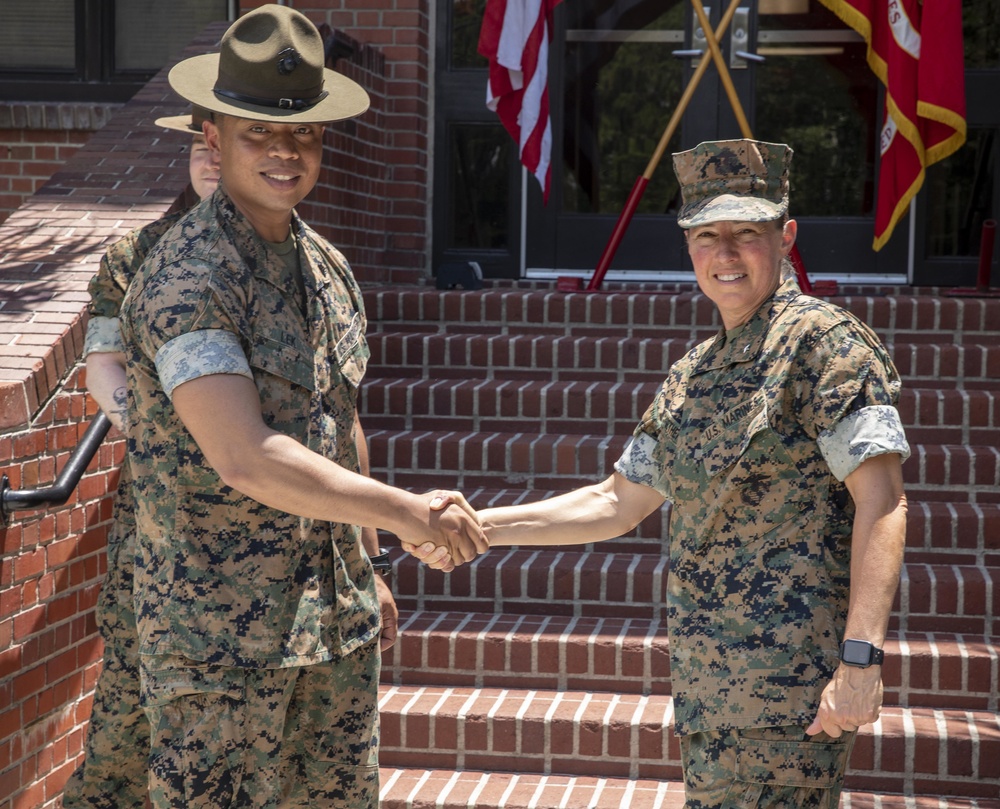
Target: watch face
column 857, row 652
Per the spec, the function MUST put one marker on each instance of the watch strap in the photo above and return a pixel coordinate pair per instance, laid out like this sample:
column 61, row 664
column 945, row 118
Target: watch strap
column 380, row 562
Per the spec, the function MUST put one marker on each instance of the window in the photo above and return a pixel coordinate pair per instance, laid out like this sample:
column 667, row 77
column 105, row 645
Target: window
column 94, row 50
column 476, row 171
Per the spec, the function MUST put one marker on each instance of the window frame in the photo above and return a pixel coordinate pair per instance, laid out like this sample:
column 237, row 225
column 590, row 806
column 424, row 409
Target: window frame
column 94, row 78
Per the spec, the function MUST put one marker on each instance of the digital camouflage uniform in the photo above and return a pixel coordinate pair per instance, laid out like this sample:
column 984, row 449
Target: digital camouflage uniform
column 114, row 770
column 252, row 620
column 750, row 438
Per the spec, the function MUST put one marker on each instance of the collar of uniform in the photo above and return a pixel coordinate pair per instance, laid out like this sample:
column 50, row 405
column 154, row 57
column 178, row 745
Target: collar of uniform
column 253, row 249
column 748, row 341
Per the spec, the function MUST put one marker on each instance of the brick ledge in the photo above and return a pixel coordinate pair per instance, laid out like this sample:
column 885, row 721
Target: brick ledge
column 55, row 115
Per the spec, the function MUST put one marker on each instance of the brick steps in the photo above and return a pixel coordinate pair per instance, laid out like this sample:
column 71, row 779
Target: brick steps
column 577, row 406
column 488, row 405
column 687, row 315
column 626, row 736
column 942, row 472
column 630, row 655
column 612, row 356
column 559, row 461
column 469, row 460
column 540, row 677
column 467, row 789
column 555, row 652
column 965, row 532
column 958, row 599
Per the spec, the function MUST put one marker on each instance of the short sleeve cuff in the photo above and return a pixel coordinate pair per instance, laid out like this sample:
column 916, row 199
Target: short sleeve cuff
column 863, row 434
column 103, row 336
column 200, row 353
column 638, row 464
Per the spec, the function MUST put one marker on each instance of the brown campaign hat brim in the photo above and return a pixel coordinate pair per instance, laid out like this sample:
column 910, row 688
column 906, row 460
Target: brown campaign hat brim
column 194, row 79
column 179, row 123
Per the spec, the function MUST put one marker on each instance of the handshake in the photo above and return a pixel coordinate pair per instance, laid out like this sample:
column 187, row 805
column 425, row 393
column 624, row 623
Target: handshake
column 456, row 532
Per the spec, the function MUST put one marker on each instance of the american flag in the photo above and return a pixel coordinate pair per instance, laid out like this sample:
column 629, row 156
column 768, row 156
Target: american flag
column 515, row 39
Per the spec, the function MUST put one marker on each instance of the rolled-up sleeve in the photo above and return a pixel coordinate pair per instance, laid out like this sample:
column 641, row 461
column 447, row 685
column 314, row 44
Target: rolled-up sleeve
column 638, row 462
column 103, row 336
column 200, row 353
column 863, row 434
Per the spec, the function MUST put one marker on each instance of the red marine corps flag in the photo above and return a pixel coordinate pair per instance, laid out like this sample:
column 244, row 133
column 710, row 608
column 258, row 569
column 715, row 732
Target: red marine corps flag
column 915, row 48
column 515, row 38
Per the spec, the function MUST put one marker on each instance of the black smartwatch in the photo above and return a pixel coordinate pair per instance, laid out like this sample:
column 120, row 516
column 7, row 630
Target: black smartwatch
column 380, row 562
column 860, row 654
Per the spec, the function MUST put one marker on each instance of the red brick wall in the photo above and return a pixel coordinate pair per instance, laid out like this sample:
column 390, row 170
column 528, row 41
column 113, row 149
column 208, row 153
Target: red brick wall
column 51, row 565
column 28, row 158
column 377, row 213
column 36, row 139
column 350, row 205
column 52, row 561
column 400, row 29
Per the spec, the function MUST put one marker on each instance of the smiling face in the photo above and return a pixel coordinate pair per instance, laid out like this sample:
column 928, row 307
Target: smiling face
column 203, row 164
column 267, row 168
column 738, row 264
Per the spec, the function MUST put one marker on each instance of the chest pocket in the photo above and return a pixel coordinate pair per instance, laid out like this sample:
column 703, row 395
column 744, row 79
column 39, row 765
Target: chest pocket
column 291, row 361
column 728, row 440
column 351, row 351
column 753, row 482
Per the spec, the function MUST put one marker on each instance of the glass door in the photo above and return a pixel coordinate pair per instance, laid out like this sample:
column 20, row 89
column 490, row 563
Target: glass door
column 615, row 81
column 617, row 71
column 801, row 78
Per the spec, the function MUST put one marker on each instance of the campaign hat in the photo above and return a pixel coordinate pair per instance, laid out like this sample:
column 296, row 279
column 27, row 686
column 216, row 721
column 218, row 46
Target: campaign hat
column 270, row 67
column 190, row 123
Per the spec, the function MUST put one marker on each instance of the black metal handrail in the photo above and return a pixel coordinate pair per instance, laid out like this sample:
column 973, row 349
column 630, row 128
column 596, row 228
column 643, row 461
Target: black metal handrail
column 60, row 491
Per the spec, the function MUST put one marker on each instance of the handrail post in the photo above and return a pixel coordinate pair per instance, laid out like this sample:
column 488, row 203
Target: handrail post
column 60, row 491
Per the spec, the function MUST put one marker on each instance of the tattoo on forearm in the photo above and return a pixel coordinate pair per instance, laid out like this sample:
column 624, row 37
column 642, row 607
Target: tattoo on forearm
column 120, row 411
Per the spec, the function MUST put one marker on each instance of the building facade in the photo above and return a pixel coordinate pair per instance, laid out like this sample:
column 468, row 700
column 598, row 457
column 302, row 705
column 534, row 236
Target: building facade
column 617, row 71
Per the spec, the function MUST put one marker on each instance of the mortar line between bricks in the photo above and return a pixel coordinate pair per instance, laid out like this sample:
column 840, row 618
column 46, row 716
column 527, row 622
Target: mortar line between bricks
column 535, row 641
column 909, row 746
column 976, row 745
column 463, row 713
column 563, row 643
column 635, row 730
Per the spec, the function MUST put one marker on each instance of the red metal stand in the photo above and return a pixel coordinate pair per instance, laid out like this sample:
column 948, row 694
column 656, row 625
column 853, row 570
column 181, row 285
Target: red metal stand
column 982, row 288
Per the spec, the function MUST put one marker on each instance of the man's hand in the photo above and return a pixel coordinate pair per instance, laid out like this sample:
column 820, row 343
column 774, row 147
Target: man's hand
column 851, row 699
column 434, row 556
column 439, row 557
column 390, row 614
column 460, row 533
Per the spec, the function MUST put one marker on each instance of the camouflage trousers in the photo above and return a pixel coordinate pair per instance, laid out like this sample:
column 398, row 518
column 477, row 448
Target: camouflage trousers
column 113, row 774
column 255, row 738
column 764, row 768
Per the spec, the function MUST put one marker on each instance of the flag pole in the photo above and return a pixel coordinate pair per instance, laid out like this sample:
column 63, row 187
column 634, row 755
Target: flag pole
column 639, row 188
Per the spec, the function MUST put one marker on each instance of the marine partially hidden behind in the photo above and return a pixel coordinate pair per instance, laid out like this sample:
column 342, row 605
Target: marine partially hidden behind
column 113, row 772
column 779, row 445
column 259, row 615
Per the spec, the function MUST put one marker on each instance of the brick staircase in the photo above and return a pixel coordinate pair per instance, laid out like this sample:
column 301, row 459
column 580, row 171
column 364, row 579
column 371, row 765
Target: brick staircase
column 540, row 678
